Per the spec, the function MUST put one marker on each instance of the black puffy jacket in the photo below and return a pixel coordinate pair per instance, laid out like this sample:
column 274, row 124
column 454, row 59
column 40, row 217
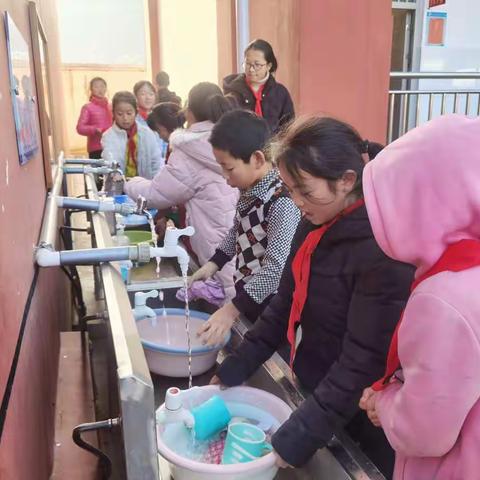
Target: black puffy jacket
column 277, row 105
column 355, row 297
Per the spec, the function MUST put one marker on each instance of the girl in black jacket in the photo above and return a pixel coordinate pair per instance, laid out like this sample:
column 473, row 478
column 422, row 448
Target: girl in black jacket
column 338, row 286
column 257, row 89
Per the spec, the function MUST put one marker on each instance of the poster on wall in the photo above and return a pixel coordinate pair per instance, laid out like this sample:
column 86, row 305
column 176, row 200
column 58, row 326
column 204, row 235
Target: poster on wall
column 436, row 28
column 23, row 100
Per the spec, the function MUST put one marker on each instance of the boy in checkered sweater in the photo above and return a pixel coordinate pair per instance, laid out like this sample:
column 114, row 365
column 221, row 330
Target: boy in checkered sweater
column 264, row 224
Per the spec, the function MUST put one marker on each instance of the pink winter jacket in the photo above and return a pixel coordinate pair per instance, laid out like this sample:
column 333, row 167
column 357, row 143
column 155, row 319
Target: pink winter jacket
column 93, row 116
column 194, row 178
column 422, row 194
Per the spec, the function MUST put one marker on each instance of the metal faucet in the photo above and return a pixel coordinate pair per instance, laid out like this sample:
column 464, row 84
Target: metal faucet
column 141, row 310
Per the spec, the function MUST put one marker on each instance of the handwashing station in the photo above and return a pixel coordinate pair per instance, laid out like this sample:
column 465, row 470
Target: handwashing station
column 143, row 349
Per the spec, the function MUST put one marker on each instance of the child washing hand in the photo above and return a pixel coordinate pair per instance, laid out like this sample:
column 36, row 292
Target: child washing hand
column 264, row 224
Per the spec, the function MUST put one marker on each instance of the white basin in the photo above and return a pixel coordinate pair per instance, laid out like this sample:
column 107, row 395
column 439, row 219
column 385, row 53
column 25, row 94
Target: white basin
column 264, row 468
column 164, row 341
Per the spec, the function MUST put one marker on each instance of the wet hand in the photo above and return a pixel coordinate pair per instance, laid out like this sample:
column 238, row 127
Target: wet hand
column 213, row 331
column 367, row 403
column 216, row 381
column 280, row 462
column 203, row 273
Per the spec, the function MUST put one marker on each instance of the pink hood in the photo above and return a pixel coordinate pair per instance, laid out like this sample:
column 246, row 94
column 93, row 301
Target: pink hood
column 409, row 185
column 422, row 194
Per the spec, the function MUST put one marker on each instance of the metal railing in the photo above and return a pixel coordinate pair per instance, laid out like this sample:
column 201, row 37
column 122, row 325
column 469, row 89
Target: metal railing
column 410, row 105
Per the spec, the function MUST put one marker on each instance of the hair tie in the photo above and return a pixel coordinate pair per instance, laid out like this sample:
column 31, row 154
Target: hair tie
column 365, row 146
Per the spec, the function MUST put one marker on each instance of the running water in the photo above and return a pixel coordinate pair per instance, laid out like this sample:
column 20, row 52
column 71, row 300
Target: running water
column 187, row 328
column 154, row 238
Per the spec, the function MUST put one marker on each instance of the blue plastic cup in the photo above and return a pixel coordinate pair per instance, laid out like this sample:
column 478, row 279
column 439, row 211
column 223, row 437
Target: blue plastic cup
column 244, row 443
column 210, row 417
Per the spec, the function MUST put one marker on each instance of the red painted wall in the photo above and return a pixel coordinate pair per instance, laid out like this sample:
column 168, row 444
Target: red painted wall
column 26, row 446
column 334, row 56
column 345, row 50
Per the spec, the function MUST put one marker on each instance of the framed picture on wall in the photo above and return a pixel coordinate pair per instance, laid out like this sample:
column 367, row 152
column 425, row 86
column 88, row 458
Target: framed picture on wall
column 44, row 93
column 23, row 99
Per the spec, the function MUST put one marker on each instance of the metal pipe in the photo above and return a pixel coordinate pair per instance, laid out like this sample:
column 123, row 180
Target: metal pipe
column 467, row 104
column 48, row 233
column 95, row 205
column 455, row 102
column 391, row 113
column 443, row 104
column 435, row 75
column 97, row 162
column 87, row 169
column 88, row 427
column 430, row 106
column 243, row 30
column 433, row 92
column 93, row 256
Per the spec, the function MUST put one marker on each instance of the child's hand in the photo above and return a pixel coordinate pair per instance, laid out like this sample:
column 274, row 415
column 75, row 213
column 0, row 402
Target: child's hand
column 216, row 381
column 281, row 463
column 213, row 331
column 203, row 273
column 367, row 403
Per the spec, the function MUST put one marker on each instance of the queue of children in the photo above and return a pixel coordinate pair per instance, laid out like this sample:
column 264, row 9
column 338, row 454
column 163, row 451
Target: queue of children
column 362, row 260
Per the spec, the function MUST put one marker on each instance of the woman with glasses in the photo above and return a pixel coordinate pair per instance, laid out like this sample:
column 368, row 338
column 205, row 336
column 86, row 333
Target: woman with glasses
column 256, row 89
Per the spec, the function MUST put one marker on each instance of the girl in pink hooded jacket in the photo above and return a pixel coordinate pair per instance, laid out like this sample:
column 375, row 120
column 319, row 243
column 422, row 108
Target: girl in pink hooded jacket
column 193, row 177
column 95, row 117
column 423, row 200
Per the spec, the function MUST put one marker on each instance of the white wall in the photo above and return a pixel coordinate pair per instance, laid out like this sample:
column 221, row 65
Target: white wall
column 189, row 43
column 460, row 53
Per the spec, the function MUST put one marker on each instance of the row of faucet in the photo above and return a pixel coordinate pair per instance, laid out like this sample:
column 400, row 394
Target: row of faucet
column 47, row 256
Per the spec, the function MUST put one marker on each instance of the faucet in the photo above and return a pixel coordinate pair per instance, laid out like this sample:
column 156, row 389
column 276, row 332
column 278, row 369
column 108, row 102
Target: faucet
column 173, row 410
column 172, row 249
column 141, row 310
column 141, row 205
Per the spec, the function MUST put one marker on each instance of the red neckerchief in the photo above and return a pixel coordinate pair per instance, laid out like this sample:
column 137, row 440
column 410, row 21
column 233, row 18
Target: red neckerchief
column 460, row 256
column 258, row 98
column 301, row 273
column 143, row 112
column 131, row 144
column 102, row 102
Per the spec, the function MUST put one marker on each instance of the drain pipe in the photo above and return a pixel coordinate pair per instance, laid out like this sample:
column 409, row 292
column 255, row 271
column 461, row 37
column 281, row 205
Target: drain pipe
column 242, row 12
column 104, row 460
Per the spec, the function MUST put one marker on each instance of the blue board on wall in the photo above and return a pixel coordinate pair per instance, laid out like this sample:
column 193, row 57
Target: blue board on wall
column 21, row 90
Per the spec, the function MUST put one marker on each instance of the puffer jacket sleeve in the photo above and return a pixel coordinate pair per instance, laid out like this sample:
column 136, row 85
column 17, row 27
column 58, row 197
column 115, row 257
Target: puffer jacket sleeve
column 112, row 146
column 83, row 125
column 375, row 307
column 154, row 153
column 440, row 357
column 170, row 186
column 268, row 332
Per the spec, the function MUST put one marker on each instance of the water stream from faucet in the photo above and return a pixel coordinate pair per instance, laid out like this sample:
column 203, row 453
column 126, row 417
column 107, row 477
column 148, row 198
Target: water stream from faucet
column 154, row 238
column 187, row 329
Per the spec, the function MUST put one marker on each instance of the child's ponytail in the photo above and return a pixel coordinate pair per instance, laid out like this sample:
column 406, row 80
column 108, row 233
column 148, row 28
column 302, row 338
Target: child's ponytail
column 167, row 114
column 217, row 106
column 206, row 102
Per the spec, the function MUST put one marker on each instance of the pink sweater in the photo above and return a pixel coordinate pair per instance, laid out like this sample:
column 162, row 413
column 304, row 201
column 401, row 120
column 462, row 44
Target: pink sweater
column 422, row 194
column 93, row 117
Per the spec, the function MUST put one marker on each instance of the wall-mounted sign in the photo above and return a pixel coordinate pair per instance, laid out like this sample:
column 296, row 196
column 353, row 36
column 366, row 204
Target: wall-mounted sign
column 23, row 99
column 436, row 28
column 435, row 3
